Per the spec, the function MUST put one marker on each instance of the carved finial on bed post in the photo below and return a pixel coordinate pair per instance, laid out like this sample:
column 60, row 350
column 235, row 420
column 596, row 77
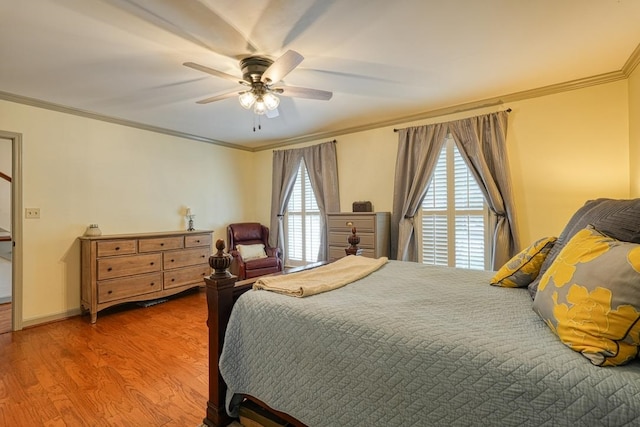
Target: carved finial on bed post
column 354, row 239
column 220, row 261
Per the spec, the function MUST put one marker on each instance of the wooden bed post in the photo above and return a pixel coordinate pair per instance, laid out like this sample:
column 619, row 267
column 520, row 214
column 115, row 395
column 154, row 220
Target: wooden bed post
column 220, row 286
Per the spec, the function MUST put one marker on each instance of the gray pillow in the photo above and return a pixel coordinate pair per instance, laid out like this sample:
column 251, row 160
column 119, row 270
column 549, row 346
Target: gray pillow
column 619, row 219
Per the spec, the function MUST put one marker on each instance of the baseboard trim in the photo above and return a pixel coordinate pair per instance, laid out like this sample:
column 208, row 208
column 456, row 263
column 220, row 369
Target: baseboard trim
column 4, row 300
column 38, row 321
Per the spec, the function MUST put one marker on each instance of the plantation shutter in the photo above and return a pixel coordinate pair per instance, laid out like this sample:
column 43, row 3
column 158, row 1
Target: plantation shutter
column 303, row 222
column 435, row 240
column 454, row 215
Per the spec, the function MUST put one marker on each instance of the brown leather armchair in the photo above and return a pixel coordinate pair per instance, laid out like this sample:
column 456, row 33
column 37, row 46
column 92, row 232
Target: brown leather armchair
column 252, row 233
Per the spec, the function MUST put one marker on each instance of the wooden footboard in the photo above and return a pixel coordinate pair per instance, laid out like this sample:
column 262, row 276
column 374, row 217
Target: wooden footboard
column 222, row 292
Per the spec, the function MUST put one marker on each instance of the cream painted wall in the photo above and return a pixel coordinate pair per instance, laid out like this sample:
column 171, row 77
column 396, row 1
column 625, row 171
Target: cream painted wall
column 634, row 131
column 563, row 148
column 80, row 171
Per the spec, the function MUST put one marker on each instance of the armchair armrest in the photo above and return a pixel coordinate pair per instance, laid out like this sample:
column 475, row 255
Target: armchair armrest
column 273, row 252
column 237, row 264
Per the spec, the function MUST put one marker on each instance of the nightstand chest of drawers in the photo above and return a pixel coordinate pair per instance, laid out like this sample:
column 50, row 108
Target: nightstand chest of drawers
column 371, row 227
column 138, row 267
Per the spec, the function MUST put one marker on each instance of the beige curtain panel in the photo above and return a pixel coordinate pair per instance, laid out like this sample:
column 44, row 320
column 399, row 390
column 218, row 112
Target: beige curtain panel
column 418, row 151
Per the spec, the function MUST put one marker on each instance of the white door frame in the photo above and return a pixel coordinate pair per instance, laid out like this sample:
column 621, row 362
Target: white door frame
column 16, row 227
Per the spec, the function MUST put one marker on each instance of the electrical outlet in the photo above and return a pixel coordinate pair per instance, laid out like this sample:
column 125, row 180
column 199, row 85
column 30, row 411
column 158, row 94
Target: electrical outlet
column 32, row 213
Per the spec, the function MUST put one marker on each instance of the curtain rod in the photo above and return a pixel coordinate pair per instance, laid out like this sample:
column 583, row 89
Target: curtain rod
column 326, row 142
column 508, row 110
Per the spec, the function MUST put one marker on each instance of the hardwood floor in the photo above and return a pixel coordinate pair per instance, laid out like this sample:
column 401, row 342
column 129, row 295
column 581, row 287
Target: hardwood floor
column 134, row 367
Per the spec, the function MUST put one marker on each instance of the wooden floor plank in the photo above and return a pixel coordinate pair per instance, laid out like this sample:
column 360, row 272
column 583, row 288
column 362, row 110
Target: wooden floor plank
column 135, row 366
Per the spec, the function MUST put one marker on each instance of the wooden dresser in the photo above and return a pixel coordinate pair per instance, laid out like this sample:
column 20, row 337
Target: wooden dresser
column 372, row 227
column 139, row 267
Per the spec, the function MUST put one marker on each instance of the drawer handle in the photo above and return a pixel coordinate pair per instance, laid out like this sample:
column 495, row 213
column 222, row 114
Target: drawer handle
column 152, row 284
column 117, row 248
column 197, row 241
column 173, row 279
column 152, row 263
column 171, row 260
column 161, row 244
column 202, row 256
column 110, row 292
column 109, row 269
column 349, row 224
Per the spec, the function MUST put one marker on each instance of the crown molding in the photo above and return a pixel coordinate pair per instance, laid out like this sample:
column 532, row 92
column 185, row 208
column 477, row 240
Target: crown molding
column 129, row 123
column 629, row 67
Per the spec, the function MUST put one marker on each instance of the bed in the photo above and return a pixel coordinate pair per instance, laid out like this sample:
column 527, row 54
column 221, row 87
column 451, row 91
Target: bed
column 408, row 345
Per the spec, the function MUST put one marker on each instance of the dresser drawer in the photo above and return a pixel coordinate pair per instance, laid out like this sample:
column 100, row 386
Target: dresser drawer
column 362, row 223
column 116, row 247
column 185, row 258
column 109, row 268
column 115, row 289
column 160, row 244
column 341, row 239
column 197, row 240
column 185, row 276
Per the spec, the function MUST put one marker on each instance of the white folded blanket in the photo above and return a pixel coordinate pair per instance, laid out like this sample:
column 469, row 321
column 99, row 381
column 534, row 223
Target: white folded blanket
column 321, row 279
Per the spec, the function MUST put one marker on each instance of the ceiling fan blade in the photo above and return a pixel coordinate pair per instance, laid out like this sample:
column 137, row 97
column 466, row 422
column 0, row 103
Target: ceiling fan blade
column 213, row 72
column 282, row 66
column 194, row 21
column 272, row 114
column 218, row 97
column 303, row 92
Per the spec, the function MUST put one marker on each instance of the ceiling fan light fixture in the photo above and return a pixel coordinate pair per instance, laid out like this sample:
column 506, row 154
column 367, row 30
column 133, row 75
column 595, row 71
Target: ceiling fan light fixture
column 271, row 101
column 247, row 99
column 259, row 107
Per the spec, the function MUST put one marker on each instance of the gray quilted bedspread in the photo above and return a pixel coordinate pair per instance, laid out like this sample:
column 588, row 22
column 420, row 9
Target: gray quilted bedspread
column 413, row 345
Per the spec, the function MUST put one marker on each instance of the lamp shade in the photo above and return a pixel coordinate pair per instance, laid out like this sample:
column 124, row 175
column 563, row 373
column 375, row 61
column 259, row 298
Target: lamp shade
column 259, row 107
column 247, row 99
column 271, row 101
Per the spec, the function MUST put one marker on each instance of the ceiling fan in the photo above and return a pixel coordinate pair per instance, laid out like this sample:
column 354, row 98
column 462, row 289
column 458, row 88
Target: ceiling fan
column 260, row 75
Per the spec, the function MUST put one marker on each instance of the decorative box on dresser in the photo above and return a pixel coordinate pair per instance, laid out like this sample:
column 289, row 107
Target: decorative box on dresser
column 371, row 227
column 139, row 267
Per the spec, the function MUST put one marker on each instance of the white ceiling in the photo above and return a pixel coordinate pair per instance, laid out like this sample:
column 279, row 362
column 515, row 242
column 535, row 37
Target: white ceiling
column 383, row 60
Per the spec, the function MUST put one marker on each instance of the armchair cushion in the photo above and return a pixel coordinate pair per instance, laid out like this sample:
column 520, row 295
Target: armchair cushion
column 251, row 252
column 267, row 262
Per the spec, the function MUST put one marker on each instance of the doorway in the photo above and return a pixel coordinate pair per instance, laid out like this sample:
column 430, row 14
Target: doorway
column 6, row 241
column 10, row 232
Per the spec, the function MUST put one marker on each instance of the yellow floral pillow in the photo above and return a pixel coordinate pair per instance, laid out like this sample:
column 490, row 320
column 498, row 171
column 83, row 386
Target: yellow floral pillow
column 590, row 297
column 523, row 268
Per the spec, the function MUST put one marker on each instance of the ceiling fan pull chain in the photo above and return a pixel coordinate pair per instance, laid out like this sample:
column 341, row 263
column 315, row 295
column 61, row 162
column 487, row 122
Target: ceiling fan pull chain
column 254, row 123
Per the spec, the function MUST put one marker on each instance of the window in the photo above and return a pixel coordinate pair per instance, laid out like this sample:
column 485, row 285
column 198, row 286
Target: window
column 302, row 222
column 455, row 230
